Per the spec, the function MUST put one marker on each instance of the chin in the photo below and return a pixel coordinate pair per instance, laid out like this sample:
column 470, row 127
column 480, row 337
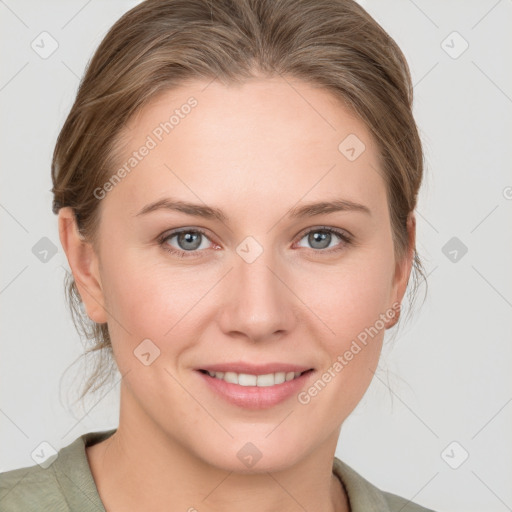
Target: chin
column 251, row 457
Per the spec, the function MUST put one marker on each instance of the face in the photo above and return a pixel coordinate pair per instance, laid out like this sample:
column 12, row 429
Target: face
column 254, row 274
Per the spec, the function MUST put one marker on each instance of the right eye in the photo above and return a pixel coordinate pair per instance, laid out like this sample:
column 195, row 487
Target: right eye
column 189, row 241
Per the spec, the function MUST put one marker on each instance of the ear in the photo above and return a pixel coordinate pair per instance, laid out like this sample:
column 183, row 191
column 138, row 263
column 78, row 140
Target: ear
column 83, row 263
column 403, row 269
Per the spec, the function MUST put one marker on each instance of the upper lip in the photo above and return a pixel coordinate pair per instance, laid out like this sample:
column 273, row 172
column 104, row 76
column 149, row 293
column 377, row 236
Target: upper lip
column 255, row 369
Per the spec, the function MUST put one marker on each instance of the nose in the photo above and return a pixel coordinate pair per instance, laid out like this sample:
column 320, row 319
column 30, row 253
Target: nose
column 259, row 305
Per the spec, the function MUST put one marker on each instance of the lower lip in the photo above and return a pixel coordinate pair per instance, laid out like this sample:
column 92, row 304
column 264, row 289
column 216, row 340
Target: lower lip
column 255, row 397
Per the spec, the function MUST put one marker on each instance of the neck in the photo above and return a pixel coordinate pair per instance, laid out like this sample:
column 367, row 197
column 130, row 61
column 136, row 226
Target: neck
column 140, row 467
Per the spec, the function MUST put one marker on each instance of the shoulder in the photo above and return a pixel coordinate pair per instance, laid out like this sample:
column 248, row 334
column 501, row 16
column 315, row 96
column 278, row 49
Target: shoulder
column 363, row 496
column 61, row 484
column 30, row 488
column 398, row 503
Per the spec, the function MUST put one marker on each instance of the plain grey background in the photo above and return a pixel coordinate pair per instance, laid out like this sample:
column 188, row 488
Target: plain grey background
column 435, row 423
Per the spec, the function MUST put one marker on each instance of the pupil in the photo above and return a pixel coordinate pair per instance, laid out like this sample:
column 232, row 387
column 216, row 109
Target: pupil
column 189, row 238
column 320, row 236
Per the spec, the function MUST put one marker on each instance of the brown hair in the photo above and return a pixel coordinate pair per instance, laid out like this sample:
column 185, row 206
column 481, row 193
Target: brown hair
column 160, row 44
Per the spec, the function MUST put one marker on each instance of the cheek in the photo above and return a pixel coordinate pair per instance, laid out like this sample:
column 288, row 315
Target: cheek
column 164, row 302
column 350, row 303
column 350, row 299
column 351, row 331
column 161, row 301
column 146, row 301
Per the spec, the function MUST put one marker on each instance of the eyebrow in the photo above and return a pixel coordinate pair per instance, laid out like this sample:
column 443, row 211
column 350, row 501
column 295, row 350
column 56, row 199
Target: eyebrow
column 208, row 212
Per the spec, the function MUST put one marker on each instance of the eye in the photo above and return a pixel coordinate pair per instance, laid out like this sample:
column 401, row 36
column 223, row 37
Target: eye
column 188, row 241
column 322, row 238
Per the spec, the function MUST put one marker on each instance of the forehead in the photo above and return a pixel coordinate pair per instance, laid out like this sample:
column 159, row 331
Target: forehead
column 275, row 140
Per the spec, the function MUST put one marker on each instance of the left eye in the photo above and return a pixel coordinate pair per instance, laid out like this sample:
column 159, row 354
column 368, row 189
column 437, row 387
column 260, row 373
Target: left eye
column 322, row 238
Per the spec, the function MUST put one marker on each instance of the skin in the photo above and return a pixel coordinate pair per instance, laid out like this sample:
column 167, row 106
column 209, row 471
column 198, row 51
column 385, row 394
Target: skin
column 254, row 151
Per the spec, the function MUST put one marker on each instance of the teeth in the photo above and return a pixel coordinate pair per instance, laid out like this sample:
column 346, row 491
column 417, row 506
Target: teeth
column 245, row 379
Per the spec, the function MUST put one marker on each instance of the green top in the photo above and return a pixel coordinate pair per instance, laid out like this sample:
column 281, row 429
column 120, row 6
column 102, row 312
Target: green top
column 68, row 485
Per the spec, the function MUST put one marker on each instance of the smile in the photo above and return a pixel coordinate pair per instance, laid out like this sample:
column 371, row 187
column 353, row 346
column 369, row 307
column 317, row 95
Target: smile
column 246, row 379
column 251, row 391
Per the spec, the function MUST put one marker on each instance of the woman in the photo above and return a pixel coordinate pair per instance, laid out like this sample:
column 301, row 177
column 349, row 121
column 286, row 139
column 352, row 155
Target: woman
column 235, row 185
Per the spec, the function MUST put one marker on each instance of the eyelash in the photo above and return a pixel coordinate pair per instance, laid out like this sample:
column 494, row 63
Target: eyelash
column 344, row 236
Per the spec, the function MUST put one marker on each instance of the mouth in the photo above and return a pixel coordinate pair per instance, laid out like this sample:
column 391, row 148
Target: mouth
column 253, row 380
column 255, row 387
